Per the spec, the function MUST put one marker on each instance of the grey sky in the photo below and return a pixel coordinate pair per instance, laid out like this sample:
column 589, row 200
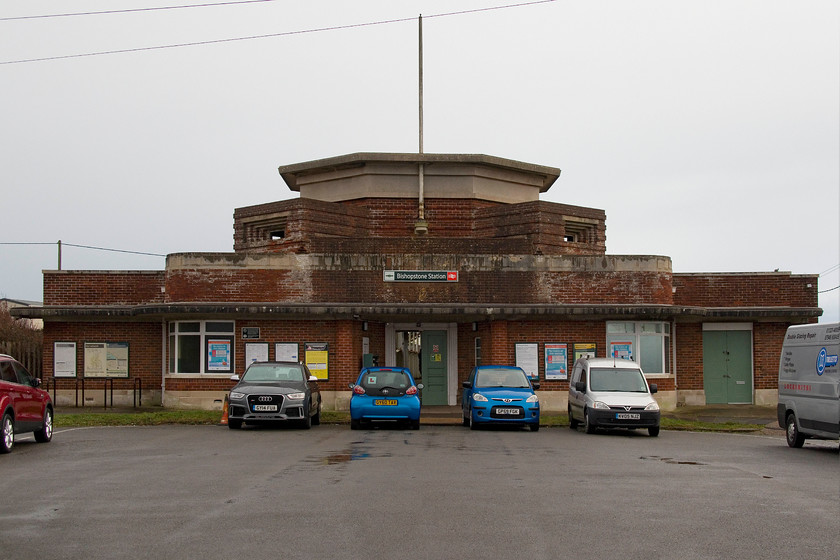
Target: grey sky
column 709, row 131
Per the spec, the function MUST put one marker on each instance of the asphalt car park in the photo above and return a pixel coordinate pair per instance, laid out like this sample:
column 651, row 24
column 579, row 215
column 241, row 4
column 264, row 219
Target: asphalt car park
column 440, row 492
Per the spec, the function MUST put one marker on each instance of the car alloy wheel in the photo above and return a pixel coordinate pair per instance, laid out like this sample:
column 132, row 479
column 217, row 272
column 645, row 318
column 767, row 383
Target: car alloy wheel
column 46, row 432
column 7, row 438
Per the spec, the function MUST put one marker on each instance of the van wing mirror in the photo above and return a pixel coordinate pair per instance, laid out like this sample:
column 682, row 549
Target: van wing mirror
column 580, row 386
column 653, row 388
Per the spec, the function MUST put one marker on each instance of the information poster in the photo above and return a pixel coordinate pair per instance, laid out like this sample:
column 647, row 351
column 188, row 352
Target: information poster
column 255, row 352
column 585, row 350
column 64, row 359
column 106, row 359
column 556, row 361
column 527, row 357
column 317, row 359
column 286, row 352
column 218, row 355
column 621, row 350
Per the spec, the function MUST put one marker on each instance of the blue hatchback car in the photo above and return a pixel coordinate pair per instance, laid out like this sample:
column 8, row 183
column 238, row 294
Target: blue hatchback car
column 500, row 395
column 386, row 394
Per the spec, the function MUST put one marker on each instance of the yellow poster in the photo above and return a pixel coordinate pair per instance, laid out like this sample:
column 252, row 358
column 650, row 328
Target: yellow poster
column 317, row 359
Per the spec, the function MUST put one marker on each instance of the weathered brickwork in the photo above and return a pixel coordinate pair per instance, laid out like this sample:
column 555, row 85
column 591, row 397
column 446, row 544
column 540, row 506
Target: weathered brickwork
column 66, row 287
column 746, row 290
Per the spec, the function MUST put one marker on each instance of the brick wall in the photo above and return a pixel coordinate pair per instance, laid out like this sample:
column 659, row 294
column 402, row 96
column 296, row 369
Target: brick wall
column 746, row 290
column 69, row 287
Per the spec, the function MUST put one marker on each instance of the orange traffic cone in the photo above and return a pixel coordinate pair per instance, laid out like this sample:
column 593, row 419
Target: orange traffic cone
column 224, row 420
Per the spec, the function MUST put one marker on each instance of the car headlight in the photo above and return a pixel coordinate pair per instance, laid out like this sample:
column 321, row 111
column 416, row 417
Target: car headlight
column 533, row 398
column 599, row 404
column 296, row 396
column 234, row 396
column 479, row 397
column 652, row 406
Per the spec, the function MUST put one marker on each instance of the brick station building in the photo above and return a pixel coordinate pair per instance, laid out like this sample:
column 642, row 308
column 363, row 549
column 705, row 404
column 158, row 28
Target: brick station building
column 434, row 261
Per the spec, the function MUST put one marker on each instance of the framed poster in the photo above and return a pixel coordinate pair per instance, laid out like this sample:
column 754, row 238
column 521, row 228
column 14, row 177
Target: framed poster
column 585, row 350
column 317, row 359
column 106, row 359
column 286, row 352
column 219, row 355
column 556, row 361
column 527, row 357
column 64, row 359
column 255, row 352
column 622, row 350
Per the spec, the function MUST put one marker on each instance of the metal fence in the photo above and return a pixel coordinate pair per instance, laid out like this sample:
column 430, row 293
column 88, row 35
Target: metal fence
column 30, row 354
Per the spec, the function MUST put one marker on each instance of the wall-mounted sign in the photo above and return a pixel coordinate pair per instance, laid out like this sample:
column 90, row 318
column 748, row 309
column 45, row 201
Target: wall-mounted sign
column 250, row 333
column 527, row 358
column 219, row 355
column 556, row 361
column 286, row 351
column 106, row 359
column 420, row 275
column 256, row 352
column 317, row 359
column 64, row 359
column 585, row 350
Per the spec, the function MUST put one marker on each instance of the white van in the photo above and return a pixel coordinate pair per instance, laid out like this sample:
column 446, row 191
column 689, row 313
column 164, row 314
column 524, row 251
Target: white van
column 809, row 383
column 611, row 393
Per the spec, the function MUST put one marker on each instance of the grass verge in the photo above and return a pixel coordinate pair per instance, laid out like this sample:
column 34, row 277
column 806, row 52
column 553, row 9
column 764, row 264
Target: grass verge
column 213, row 417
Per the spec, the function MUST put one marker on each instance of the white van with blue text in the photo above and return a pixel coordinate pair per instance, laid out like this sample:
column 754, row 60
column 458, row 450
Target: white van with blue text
column 809, row 383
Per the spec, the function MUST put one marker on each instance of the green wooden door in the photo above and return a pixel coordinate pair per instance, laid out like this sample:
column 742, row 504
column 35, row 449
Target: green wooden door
column 433, row 344
column 727, row 367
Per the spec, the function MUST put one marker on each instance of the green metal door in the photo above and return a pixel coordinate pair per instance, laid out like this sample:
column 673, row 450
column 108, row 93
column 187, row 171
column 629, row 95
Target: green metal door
column 433, row 344
column 727, row 367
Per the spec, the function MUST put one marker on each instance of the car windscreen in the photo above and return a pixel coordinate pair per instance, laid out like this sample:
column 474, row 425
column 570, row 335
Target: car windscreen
column 274, row 373
column 627, row 380
column 500, row 377
column 385, row 378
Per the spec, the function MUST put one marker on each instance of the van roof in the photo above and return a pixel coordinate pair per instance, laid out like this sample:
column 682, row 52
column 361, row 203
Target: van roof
column 611, row 363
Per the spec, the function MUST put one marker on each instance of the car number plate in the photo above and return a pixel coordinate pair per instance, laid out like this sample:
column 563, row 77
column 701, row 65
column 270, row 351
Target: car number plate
column 385, row 402
column 627, row 416
column 513, row 411
column 265, row 408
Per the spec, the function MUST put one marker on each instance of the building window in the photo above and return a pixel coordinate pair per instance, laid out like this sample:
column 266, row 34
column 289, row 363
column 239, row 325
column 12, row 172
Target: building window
column 646, row 343
column 200, row 347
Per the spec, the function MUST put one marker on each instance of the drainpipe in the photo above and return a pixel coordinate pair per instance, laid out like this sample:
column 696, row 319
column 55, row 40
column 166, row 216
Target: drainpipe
column 164, row 366
column 421, row 226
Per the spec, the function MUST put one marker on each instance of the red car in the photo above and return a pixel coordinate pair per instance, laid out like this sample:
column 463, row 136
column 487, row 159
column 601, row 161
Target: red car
column 23, row 406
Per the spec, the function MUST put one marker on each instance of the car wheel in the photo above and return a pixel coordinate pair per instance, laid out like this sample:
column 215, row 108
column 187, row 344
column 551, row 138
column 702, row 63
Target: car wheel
column 573, row 424
column 234, row 424
column 306, row 423
column 653, row 431
column 415, row 424
column 588, row 426
column 534, row 427
column 7, row 437
column 473, row 423
column 316, row 420
column 465, row 419
column 355, row 424
column 45, row 433
column 792, row 435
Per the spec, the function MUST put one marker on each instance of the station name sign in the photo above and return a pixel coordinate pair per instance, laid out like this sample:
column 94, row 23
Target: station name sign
column 420, row 275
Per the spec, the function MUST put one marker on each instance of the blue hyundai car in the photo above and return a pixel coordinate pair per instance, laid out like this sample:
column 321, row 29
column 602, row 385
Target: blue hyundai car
column 500, row 395
column 385, row 394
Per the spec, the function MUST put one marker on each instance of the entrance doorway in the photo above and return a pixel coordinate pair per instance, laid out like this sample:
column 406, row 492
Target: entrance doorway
column 727, row 366
column 430, row 352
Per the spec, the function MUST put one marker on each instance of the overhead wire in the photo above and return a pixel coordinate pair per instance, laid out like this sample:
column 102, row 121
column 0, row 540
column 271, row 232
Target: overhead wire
column 270, row 35
column 130, row 10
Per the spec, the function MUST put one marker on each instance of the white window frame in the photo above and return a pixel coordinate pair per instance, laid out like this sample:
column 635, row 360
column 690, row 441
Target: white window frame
column 636, row 336
column 173, row 338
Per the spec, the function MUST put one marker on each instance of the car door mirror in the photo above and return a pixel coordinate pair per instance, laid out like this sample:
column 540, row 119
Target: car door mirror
column 580, row 386
column 535, row 385
column 313, row 378
column 351, row 385
column 235, row 377
column 466, row 385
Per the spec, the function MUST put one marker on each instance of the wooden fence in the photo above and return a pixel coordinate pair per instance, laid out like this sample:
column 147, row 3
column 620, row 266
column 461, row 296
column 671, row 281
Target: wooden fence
column 30, row 354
